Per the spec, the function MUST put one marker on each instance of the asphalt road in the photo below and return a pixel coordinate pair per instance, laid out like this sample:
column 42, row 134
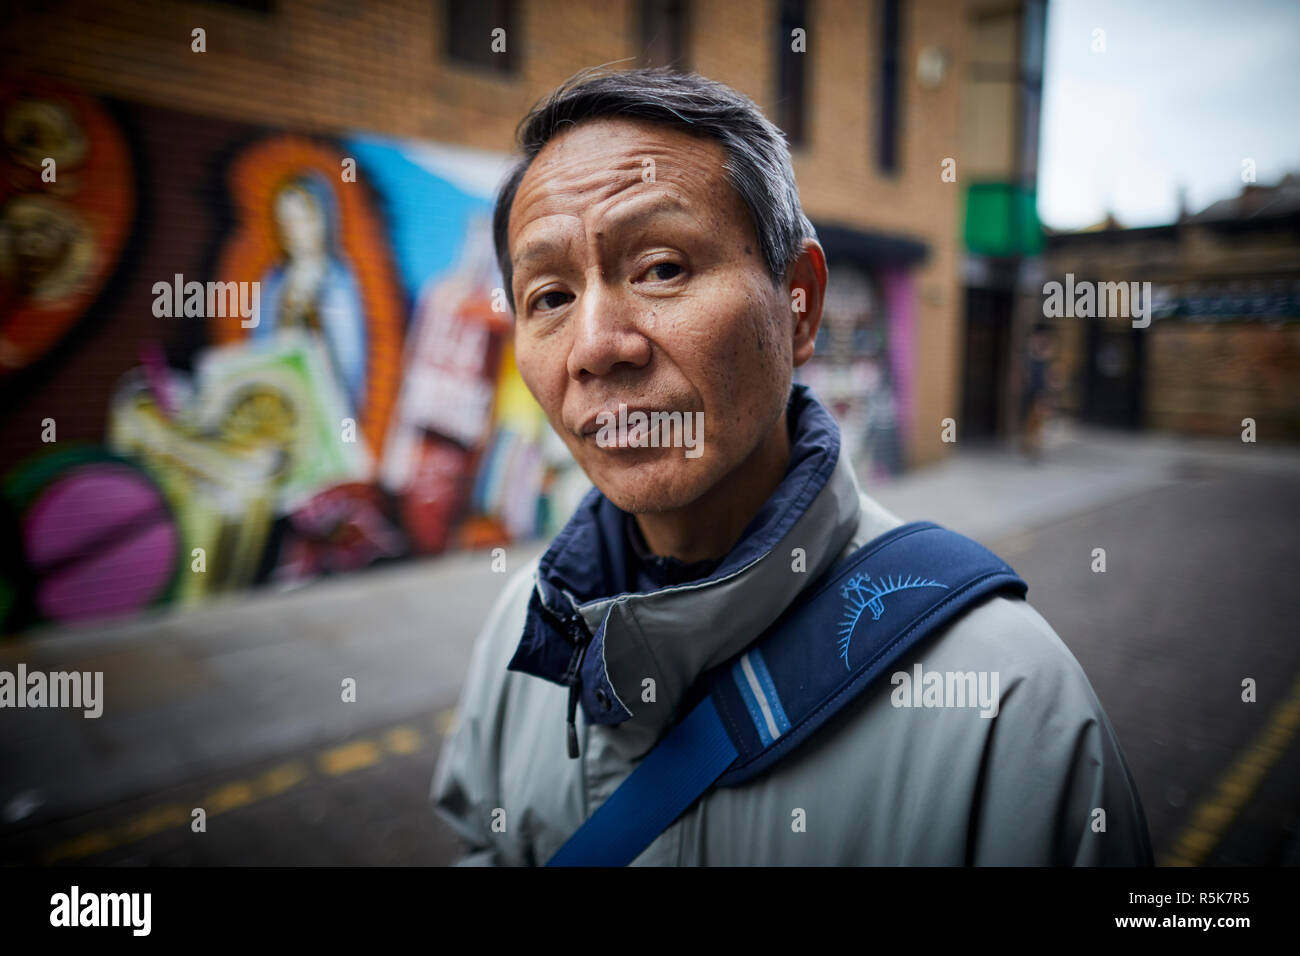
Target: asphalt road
column 1198, row 594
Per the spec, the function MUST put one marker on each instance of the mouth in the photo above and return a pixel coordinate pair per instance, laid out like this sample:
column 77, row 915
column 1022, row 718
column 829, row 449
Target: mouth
column 606, row 418
column 641, row 432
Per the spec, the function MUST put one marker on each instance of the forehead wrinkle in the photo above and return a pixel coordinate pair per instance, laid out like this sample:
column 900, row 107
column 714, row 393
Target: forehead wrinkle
column 580, row 183
column 638, row 212
column 616, row 213
column 560, row 194
column 592, row 177
column 598, row 222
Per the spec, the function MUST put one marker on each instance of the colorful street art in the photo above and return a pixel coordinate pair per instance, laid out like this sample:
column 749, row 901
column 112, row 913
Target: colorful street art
column 862, row 369
column 361, row 404
column 369, row 410
column 66, row 201
column 313, row 242
column 99, row 537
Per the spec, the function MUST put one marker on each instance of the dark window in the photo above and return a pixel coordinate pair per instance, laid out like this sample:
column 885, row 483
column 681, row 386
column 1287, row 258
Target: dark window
column 792, row 77
column 888, row 108
column 663, row 33
column 471, row 36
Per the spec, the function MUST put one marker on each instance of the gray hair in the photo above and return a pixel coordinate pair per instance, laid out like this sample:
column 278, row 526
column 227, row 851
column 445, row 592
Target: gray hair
column 758, row 159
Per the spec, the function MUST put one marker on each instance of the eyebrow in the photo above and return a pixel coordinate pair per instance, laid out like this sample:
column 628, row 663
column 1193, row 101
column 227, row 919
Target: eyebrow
column 537, row 249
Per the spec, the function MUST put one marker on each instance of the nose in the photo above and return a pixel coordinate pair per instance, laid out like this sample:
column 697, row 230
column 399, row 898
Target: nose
column 607, row 337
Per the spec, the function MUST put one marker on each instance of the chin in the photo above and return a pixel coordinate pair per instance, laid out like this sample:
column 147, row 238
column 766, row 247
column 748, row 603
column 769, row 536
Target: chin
column 665, row 483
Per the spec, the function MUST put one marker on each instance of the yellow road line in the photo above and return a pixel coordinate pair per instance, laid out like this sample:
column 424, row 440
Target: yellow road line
column 402, row 740
column 279, row 779
column 348, row 757
column 1237, row 786
column 88, row 844
column 230, row 796
column 399, row 740
column 154, row 821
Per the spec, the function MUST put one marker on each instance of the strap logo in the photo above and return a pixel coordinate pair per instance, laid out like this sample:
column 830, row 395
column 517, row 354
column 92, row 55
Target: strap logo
column 860, row 593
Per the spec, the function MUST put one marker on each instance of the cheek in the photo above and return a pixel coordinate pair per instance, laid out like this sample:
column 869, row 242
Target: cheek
column 757, row 378
column 741, row 351
column 539, row 371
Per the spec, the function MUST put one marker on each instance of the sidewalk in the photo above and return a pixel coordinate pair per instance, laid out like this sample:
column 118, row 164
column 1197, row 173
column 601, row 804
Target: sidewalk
column 195, row 692
column 198, row 692
column 993, row 493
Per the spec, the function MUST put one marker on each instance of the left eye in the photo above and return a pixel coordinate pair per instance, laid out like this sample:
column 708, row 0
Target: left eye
column 663, row 271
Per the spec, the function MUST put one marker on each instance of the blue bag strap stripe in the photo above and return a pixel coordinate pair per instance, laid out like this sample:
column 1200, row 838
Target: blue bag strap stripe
column 759, row 694
column 764, row 725
column 670, row 778
column 785, row 682
column 759, row 667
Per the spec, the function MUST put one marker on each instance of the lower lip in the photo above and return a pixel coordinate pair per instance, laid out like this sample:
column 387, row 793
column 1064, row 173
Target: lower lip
column 632, row 444
column 633, row 436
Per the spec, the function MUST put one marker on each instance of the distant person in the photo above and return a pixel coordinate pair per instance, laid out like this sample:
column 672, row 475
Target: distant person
column 1035, row 399
column 646, row 650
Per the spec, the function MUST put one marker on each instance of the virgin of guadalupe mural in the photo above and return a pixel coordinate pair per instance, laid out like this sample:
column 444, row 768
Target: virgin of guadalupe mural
column 319, row 250
column 312, row 286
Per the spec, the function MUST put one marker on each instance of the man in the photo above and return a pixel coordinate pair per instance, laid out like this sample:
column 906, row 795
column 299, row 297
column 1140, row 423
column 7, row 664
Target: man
column 655, row 252
column 1035, row 402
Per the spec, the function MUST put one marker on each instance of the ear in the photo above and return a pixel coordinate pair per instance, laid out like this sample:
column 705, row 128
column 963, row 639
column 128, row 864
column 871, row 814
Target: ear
column 806, row 287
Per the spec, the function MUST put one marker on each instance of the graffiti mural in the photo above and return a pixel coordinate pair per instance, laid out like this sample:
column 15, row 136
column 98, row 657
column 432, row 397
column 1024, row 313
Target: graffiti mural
column 97, row 537
column 862, row 366
column 66, row 202
column 257, row 370
column 317, row 250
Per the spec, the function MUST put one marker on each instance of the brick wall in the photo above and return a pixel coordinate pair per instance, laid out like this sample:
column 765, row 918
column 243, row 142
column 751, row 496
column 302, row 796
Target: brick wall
column 380, row 66
column 1203, row 378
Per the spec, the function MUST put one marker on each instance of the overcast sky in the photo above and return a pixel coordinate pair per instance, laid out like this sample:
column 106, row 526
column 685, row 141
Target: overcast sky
column 1184, row 91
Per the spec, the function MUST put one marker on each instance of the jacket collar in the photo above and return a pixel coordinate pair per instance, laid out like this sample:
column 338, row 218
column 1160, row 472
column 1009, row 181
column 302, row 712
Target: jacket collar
column 631, row 657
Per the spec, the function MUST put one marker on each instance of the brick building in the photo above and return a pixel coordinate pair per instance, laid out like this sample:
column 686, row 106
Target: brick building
column 195, row 139
column 1223, row 344
column 1003, row 237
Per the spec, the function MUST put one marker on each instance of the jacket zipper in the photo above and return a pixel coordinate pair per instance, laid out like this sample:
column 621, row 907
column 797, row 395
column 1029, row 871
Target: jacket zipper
column 582, row 638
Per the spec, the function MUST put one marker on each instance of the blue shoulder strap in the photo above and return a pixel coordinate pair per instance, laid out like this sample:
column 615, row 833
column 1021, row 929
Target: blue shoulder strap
column 841, row 635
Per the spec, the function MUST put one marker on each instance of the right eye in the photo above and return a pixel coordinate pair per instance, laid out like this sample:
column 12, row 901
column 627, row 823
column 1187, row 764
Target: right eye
column 548, row 301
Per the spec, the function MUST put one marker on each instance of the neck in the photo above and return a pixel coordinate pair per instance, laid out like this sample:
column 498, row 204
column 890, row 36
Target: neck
column 712, row 524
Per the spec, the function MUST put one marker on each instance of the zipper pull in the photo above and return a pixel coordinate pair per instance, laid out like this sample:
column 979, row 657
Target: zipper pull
column 583, row 637
column 573, row 729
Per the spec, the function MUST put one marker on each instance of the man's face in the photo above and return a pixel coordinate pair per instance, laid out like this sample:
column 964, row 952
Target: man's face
column 638, row 279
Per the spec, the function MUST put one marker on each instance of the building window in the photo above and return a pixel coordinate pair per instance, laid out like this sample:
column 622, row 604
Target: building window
column 483, row 33
column 663, row 33
column 792, row 79
column 887, row 108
